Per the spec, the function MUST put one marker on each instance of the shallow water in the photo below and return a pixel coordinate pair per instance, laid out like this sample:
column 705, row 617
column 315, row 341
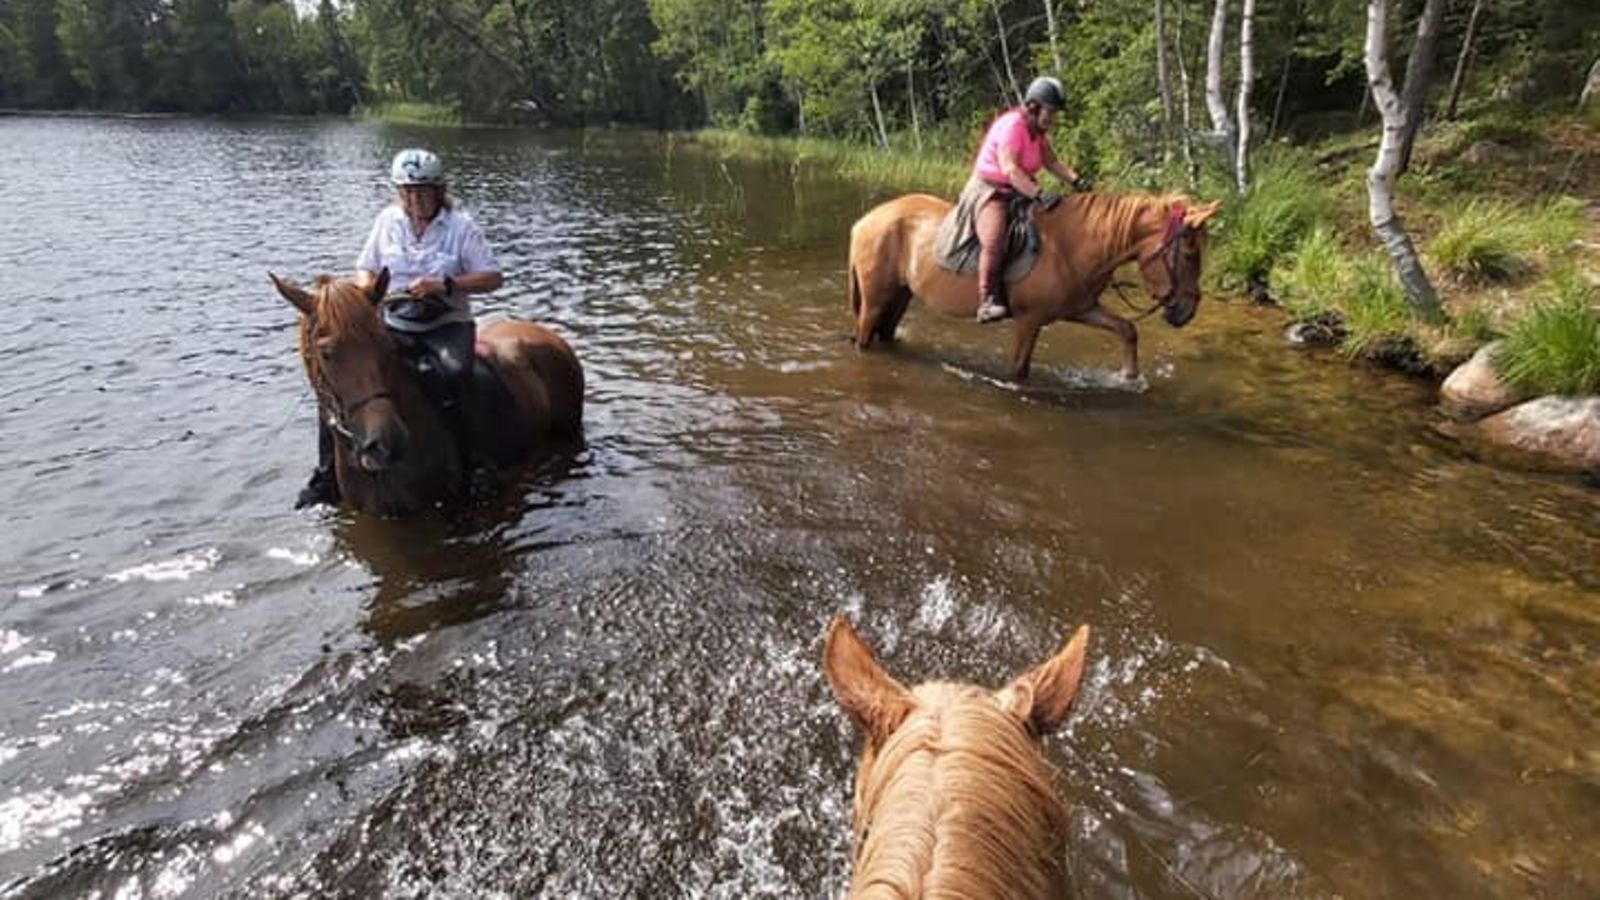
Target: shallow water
column 1334, row 655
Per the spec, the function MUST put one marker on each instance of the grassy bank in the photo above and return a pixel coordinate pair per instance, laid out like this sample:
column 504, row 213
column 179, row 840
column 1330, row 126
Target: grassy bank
column 411, row 114
column 936, row 169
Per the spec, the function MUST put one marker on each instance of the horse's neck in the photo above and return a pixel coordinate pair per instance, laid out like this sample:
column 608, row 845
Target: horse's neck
column 1106, row 230
column 958, row 820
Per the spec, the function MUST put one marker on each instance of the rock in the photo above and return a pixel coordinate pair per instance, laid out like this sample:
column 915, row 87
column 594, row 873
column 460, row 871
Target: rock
column 1483, row 152
column 1474, row 389
column 1563, row 430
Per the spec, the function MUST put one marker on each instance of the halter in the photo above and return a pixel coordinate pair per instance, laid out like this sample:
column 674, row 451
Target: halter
column 338, row 413
column 1171, row 237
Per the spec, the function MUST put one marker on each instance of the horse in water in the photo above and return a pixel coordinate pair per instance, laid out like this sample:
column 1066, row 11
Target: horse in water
column 394, row 453
column 953, row 797
column 1082, row 241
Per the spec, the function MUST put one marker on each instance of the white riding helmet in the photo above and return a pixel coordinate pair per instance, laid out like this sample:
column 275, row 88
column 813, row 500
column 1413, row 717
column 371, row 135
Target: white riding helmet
column 416, row 167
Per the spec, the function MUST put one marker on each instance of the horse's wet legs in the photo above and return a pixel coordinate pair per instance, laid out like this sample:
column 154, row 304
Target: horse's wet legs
column 1097, row 317
column 1024, row 336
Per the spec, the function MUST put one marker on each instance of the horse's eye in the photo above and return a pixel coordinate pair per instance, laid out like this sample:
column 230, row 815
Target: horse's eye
column 325, row 352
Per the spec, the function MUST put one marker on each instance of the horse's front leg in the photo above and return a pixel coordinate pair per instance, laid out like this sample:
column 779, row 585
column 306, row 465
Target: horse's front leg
column 1024, row 336
column 1097, row 317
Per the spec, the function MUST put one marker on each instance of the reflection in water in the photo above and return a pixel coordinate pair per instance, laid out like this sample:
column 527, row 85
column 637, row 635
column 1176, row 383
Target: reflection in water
column 1334, row 656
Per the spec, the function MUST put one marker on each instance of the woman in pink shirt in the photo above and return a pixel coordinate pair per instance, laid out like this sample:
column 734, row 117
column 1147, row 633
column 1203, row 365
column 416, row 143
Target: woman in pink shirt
column 1014, row 149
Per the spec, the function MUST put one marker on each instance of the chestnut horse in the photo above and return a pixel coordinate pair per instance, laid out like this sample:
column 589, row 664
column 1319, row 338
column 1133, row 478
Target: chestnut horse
column 953, row 797
column 394, row 454
column 1081, row 243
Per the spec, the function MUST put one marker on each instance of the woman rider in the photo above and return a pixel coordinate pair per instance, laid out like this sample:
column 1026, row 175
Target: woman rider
column 1014, row 149
column 437, row 252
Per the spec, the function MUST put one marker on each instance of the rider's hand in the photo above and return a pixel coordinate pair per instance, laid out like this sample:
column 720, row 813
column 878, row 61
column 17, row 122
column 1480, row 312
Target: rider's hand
column 1047, row 200
column 425, row 286
column 1082, row 184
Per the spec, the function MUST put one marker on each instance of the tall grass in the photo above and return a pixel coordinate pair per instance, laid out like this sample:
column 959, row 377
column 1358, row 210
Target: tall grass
column 1314, row 280
column 406, row 113
column 1375, row 311
column 1284, row 202
column 937, row 169
column 1555, row 347
column 1485, row 241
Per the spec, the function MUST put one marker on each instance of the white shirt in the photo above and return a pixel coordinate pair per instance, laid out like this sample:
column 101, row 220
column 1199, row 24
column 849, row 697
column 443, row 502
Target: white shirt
column 451, row 245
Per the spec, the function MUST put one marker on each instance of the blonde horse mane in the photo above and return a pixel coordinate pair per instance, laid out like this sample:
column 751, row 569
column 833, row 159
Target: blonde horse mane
column 342, row 308
column 1113, row 217
column 953, row 796
column 958, row 803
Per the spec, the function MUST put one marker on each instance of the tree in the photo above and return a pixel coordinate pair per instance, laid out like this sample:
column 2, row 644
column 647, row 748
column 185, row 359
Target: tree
column 1221, row 125
column 1247, row 76
column 1461, row 60
column 1419, row 71
column 1380, row 178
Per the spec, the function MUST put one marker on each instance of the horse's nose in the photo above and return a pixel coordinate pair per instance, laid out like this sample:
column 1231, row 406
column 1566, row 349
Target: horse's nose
column 380, row 449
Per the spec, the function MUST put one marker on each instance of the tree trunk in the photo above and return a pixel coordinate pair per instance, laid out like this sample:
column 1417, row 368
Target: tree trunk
column 877, row 113
column 1005, row 50
column 1419, row 70
column 1162, row 82
column 1591, row 86
column 1220, row 126
column 1283, row 75
column 1380, row 178
column 1050, row 24
column 1247, row 75
column 1462, row 59
column 911, row 95
column 1187, row 128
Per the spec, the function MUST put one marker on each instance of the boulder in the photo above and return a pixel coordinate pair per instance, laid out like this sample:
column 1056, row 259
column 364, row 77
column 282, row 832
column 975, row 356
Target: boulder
column 1474, row 389
column 1487, row 152
column 1563, row 430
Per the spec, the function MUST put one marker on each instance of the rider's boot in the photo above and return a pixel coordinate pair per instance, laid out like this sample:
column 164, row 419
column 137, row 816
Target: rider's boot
column 324, row 485
column 992, row 308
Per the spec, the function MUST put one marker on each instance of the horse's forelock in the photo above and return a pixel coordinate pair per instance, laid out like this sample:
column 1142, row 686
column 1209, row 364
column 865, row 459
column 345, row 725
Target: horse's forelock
column 962, row 777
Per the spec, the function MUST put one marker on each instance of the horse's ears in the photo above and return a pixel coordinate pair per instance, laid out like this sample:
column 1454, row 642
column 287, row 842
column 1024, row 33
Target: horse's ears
column 1042, row 696
column 380, row 288
column 876, row 702
column 295, row 294
column 1197, row 217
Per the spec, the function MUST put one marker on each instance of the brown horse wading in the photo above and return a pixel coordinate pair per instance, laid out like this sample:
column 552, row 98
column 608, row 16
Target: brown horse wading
column 394, row 453
column 953, row 797
column 1082, row 241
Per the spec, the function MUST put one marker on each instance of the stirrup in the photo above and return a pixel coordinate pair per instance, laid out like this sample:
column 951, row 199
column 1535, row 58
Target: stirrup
column 992, row 310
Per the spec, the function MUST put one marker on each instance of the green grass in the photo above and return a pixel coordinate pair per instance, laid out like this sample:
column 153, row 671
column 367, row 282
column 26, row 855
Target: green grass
column 1284, row 203
column 1313, row 280
column 1374, row 307
column 403, row 113
column 1555, row 347
column 936, row 169
column 1489, row 241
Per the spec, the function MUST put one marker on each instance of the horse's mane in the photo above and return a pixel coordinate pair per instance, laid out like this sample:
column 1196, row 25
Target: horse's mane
column 343, row 309
column 958, row 802
column 1113, row 217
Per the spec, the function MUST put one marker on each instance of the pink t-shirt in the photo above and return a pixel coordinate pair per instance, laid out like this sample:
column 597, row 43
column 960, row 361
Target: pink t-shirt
column 1010, row 130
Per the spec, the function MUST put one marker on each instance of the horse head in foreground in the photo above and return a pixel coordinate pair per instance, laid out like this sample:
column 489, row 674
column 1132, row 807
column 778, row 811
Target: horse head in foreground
column 1082, row 242
column 394, row 452
column 953, row 797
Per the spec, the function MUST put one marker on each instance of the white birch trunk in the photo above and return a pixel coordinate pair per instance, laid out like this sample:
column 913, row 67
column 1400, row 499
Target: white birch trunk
column 1187, row 127
column 1247, row 76
column 1005, row 50
column 911, row 95
column 1380, row 178
column 877, row 112
column 1050, row 24
column 1220, row 126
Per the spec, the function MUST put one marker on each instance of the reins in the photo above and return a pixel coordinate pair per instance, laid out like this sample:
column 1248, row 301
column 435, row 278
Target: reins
column 1170, row 241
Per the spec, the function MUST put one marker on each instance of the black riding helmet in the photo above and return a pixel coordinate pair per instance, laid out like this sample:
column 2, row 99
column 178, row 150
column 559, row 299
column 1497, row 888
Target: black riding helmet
column 1046, row 91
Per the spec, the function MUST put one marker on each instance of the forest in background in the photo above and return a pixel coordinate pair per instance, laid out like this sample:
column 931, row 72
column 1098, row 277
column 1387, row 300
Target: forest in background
column 1305, row 114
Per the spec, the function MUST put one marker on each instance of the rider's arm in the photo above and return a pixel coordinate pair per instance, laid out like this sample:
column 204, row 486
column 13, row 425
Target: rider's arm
column 1058, row 168
column 1019, row 179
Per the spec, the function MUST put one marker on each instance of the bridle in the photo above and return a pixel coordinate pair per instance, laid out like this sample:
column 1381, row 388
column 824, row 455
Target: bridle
column 338, row 413
column 1171, row 242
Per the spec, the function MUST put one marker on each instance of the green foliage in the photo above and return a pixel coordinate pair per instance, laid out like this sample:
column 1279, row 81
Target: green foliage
column 1285, row 201
column 1555, row 347
column 1316, row 278
column 1375, row 314
column 403, row 113
column 1492, row 241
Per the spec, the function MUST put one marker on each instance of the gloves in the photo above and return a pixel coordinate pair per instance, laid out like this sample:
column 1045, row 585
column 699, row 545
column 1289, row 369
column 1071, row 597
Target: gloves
column 1082, row 184
column 1047, row 200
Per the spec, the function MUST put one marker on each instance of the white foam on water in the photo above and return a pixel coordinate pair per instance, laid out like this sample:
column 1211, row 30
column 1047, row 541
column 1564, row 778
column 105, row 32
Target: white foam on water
column 181, row 568
column 39, row 658
column 226, row 599
column 12, row 641
column 303, row 558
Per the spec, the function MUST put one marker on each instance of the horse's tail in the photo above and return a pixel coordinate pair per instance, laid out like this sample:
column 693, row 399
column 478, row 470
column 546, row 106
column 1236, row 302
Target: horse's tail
column 853, row 290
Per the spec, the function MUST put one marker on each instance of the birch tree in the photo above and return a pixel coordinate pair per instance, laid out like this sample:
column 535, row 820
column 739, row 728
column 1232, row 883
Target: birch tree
column 1050, row 26
column 1221, row 127
column 1461, row 60
column 1163, row 84
column 1380, row 178
column 1247, row 75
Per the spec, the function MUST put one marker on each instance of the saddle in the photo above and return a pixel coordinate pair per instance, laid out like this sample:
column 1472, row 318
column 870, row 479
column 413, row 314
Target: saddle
column 956, row 246
column 483, row 401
